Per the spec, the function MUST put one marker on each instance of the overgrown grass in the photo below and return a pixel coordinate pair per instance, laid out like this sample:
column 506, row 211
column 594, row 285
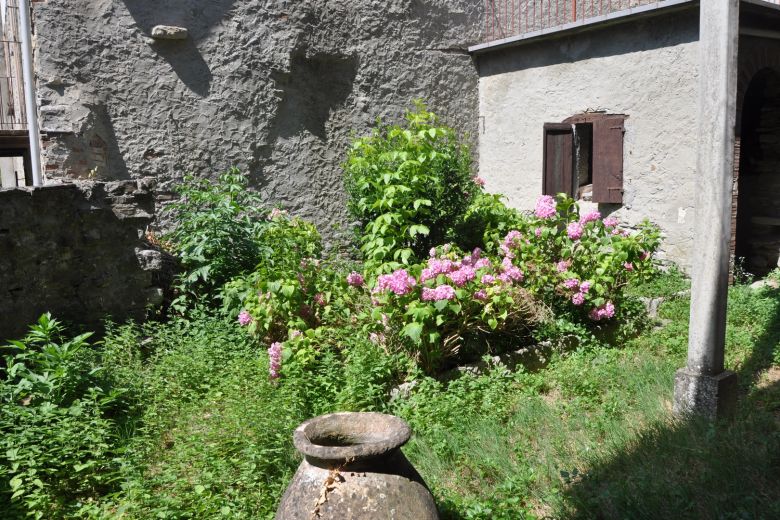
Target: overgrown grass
column 584, row 434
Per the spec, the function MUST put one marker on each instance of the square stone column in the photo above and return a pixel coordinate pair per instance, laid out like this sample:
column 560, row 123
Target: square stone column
column 703, row 387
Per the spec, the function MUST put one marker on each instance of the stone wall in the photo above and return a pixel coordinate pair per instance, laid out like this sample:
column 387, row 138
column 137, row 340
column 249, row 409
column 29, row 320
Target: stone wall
column 646, row 69
column 79, row 252
column 272, row 86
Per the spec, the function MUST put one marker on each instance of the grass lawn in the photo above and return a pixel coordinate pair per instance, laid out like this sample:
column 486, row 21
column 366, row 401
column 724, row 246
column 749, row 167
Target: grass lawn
column 587, row 434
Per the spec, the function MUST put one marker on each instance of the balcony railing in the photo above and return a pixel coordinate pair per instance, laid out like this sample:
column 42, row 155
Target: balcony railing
column 507, row 18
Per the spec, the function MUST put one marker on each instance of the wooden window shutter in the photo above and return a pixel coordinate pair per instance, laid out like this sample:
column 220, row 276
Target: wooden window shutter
column 558, row 159
column 608, row 159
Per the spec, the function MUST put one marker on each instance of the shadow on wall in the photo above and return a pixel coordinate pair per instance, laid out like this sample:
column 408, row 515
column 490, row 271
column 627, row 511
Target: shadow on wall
column 199, row 17
column 314, row 87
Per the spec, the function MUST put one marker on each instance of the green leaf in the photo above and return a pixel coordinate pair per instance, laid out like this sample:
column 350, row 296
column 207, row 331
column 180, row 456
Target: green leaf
column 413, row 331
column 199, row 489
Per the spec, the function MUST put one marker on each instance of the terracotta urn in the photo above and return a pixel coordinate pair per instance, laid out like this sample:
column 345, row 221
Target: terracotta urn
column 353, row 467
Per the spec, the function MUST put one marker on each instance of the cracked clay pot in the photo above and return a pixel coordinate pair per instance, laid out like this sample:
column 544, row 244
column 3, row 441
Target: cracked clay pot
column 353, row 467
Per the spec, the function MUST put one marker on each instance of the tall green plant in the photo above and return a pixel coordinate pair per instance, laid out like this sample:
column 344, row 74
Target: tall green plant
column 408, row 186
column 216, row 237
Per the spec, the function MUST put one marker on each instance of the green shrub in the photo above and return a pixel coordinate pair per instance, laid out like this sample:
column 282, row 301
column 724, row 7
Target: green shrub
column 408, row 187
column 58, row 442
column 217, row 234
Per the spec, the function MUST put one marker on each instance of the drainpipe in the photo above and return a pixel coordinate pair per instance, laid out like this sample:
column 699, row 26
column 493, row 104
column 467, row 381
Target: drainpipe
column 25, row 30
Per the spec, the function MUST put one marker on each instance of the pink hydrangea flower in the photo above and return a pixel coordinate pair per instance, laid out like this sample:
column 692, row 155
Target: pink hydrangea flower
column 628, row 266
column 602, row 312
column 487, row 279
column 442, row 292
column 274, row 360
column 355, row 279
column 591, row 216
column 294, row 334
column 538, row 232
column 480, row 295
column 585, row 287
column 244, row 318
column 578, row 299
column 479, row 181
column 644, row 255
column 319, row 299
column 574, row 230
column 432, row 252
column 462, row 276
column 615, row 232
column 610, row 222
column 563, row 266
column 571, row 283
column 511, row 272
column 399, row 282
column 545, row 207
column 482, row 263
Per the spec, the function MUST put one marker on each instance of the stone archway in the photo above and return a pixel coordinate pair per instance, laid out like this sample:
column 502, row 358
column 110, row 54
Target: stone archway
column 758, row 181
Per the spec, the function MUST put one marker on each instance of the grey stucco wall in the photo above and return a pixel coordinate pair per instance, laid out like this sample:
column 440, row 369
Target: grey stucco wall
column 644, row 69
column 274, row 87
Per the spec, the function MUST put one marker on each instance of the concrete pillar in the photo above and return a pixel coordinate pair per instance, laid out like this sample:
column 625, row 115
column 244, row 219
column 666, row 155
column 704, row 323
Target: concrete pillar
column 703, row 387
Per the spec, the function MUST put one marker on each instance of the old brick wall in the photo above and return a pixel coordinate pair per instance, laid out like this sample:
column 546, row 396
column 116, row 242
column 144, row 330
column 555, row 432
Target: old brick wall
column 78, row 252
column 272, row 86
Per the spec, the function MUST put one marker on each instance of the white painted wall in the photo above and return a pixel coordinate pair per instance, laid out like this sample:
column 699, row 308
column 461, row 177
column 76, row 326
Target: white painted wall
column 646, row 70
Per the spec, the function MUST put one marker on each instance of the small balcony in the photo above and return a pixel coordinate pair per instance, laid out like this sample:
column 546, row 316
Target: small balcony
column 517, row 18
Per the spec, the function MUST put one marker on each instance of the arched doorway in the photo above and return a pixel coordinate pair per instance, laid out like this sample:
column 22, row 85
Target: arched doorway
column 758, row 183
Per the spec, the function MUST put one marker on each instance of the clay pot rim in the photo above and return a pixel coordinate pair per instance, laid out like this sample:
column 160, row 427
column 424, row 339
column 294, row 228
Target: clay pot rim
column 381, row 433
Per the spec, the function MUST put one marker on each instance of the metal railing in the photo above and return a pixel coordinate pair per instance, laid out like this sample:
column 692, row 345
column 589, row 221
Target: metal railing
column 12, row 111
column 507, row 18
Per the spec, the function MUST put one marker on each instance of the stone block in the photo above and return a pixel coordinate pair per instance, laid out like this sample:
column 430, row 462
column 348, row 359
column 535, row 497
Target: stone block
column 149, row 259
column 169, row 32
column 710, row 396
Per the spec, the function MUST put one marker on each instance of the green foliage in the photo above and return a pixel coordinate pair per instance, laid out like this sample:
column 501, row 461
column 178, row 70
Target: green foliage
column 57, row 438
column 281, row 290
column 486, row 222
column 408, row 187
column 217, row 234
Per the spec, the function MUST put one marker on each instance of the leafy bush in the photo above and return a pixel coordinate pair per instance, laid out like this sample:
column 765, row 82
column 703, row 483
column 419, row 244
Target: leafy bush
column 579, row 264
column 453, row 301
column 216, row 238
column 57, row 439
column 408, row 187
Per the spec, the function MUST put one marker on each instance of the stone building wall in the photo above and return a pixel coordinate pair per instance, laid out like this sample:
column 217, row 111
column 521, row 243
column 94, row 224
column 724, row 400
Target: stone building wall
column 272, row 86
column 78, row 251
column 645, row 69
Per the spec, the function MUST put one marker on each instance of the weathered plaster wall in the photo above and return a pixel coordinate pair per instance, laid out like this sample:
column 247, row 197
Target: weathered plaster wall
column 78, row 252
column 272, row 86
column 645, row 69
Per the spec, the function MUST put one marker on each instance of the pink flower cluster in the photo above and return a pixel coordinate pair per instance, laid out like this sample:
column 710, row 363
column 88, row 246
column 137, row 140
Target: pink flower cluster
column 319, row 299
column 512, row 239
column 479, row 181
column 355, row 279
column 399, row 282
column 458, row 272
column 511, row 273
column 463, row 275
column 442, row 292
column 244, row 318
column 628, row 266
column 591, row 216
column 563, row 266
column 575, row 230
column 274, row 360
column 545, row 207
column 602, row 312
column 610, row 222
column 582, row 289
